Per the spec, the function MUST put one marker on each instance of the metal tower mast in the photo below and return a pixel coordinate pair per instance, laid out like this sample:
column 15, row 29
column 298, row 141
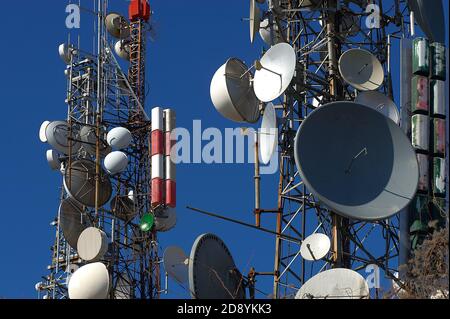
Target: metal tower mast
column 319, row 36
column 100, row 96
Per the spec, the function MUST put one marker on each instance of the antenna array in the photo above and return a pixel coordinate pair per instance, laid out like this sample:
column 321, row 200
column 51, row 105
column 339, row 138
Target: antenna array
column 106, row 242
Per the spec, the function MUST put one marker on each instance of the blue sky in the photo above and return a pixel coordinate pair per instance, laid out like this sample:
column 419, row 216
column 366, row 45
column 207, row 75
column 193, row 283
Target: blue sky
column 193, row 38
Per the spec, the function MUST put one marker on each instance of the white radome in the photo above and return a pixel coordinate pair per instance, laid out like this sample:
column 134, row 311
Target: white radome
column 119, row 138
column 89, row 282
column 115, row 162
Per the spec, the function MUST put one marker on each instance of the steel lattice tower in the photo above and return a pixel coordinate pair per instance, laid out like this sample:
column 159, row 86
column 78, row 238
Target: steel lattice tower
column 319, row 37
column 101, row 96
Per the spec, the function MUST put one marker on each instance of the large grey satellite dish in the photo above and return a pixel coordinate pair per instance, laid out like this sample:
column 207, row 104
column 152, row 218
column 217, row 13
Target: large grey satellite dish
column 379, row 102
column 88, row 137
column 361, row 69
column 255, row 20
column 212, row 272
column 123, row 207
column 232, row 94
column 356, row 161
column 176, row 264
column 275, row 72
column 117, row 26
column 72, row 221
column 92, row 244
column 79, row 182
column 57, row 134
column 268, row 134
column 337, row 283
column 315, row 246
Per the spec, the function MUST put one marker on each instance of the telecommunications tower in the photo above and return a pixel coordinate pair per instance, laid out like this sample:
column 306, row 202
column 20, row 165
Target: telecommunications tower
column 349, row 174
column 118, row 185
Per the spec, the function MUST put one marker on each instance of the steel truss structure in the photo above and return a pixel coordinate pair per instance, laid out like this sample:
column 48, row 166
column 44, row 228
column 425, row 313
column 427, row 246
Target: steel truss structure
column 319, row 36
column 101, row 96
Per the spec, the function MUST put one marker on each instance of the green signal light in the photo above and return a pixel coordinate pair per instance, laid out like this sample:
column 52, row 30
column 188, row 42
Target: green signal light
column 147, row 222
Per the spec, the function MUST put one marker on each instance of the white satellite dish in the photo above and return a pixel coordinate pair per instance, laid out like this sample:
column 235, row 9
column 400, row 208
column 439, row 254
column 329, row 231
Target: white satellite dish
column 53, row 160
column 268, row 134
column 277, row 68
column 119, row 138
column 122, row 49
column 92, row 244
column 117, row 26
column 379, row 102
column 315, row 246
column 42, row 130
column 337, row 283
column 57, row 135
column 65, row 52
column 166, row 219
column 176, row 264
column 232, row 94
column 255, row 20
column 269, row 35
column 115, row 162
column 361, row 69
column 89, row 282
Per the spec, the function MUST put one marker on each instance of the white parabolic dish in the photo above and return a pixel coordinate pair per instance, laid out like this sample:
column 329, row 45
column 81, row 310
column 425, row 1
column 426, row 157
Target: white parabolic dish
column 92, row 244
column 232, row 94
column 268, row 134
column 57, row 135
column 117, row 26
column 267, row 33
column 65, row 52
column 255, row 20
column 43, row 128
column 122, row 49
column 89, row 282
column 278, row 68
column 361, row 69
column 176, row 263
column 319, row 244
column 337, row 283
column 380, row 102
